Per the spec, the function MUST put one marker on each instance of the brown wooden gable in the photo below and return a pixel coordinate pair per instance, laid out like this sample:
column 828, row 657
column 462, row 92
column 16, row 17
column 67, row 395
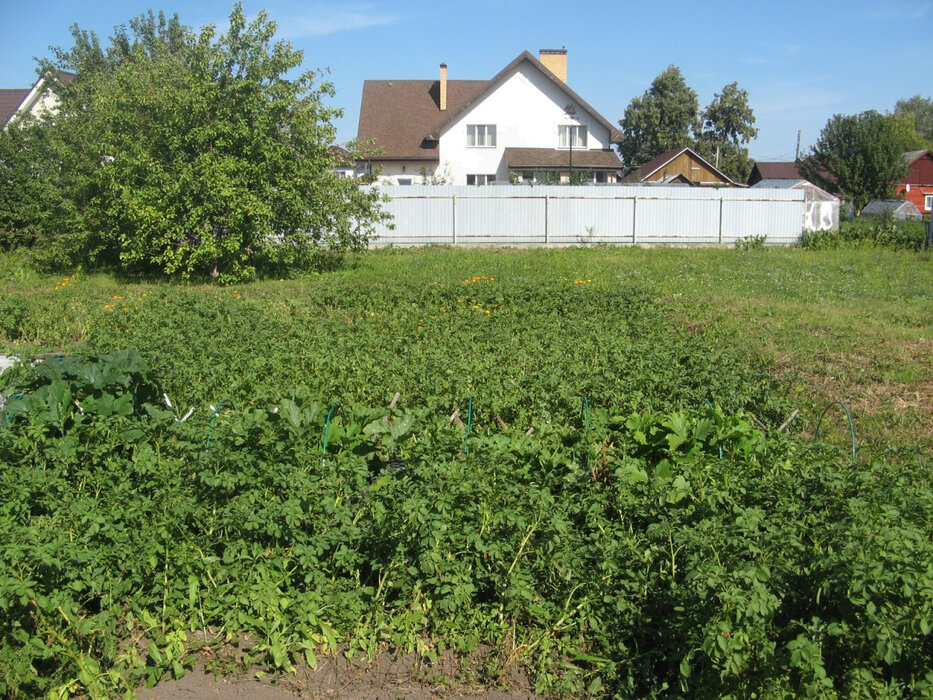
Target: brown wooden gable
column 693, row 168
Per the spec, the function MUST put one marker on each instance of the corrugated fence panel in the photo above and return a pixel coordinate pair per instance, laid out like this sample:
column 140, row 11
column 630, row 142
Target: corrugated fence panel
column 418, row 221
column 685, row 221
column 551, row 215
column 781, row 222
column 583, row 220
column 515, row 220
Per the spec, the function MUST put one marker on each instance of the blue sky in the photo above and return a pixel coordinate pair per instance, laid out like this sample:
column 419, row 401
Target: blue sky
column 801, row 62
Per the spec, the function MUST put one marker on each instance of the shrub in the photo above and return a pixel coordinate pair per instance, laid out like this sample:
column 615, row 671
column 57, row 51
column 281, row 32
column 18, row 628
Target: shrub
column 904, row 235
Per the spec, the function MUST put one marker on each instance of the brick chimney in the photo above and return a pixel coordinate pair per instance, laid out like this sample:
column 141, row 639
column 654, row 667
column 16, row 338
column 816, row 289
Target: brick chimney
column 443, row 91
column 555, row 60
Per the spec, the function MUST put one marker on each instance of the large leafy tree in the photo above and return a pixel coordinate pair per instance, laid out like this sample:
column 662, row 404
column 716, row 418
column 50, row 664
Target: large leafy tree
column 197, row 153
column 728, row 124
column 661, row 119
column 918, row 112
column 859, row 156
column 667, row 116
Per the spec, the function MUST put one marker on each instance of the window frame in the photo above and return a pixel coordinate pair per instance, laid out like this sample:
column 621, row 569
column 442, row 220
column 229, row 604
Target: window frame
column 486, row 131
column 927, row 202
column 486, row 179
column 572, row 131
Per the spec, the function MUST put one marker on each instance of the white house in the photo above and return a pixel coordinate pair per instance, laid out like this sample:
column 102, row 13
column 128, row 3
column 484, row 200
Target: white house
column 38, row 102
column 524, row 123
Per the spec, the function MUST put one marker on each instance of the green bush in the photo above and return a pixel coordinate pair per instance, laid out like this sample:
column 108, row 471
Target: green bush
column 905, row 235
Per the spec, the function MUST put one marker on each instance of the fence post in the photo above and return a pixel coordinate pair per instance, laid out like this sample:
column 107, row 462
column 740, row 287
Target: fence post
column 634, row 216
column 453, row 223
column 720, row 219
column 547, row 219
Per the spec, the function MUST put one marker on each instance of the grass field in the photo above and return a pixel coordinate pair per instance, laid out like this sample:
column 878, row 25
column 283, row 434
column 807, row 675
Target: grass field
column 854, row 325
column 617, row 509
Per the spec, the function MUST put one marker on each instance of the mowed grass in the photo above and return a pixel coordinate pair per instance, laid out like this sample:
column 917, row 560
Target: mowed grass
column 851, row 325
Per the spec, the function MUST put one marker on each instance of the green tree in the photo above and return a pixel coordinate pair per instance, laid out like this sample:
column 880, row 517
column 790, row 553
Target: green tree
column 23, row 192
column 195, row 153
column 661, row 119
column 728, row 123
column 858, row 156
column 918, row 111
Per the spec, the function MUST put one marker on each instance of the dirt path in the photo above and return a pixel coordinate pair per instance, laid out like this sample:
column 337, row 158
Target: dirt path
column 388, row 677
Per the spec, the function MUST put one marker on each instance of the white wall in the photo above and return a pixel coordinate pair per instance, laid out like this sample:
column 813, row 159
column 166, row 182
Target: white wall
column 393, row 171
column 526, row 109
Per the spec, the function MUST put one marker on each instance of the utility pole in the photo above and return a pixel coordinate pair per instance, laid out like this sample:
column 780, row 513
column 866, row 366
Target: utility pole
column 797, row 157
column 570, row 110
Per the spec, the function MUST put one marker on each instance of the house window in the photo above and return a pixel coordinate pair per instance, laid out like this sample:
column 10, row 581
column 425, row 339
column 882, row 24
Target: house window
column 566, row 132
column 404, row 181
column 480, row 179
column 928, row 202
column 481, row 135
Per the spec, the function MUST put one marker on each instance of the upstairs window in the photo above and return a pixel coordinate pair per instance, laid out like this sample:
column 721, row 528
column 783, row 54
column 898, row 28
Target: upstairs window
column 481, row 135
column 566, row 132
column 480, row 179
column 928, row 202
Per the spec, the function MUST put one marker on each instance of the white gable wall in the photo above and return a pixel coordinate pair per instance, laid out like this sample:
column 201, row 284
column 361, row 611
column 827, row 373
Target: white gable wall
column 526, row 108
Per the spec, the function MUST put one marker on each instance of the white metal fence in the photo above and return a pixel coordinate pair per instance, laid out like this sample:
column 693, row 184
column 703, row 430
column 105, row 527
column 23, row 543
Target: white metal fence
column 561, row 215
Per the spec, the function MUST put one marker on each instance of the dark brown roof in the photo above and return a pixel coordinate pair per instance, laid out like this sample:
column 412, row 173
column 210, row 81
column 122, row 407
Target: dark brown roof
column 341, row 155
column 523, row 158
column 658, row 162
column 10, row 100
column 404, row 117
column 777, row 170
column 401, row 114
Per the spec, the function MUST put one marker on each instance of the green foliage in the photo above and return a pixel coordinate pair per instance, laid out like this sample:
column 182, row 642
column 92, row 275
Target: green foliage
column 223, row 170
column 919, row 112
column 661, row 119
column 858, row 156
column 24, row 194
column 727, row 124
column 629, row 554
column 667, row 116
column 904, row 235
column 751, row 243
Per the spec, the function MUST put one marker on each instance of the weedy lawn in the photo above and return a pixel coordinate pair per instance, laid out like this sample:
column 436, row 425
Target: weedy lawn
column 613, row 503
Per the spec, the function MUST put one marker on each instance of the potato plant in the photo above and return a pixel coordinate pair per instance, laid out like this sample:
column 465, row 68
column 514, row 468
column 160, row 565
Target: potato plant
column 615, row 551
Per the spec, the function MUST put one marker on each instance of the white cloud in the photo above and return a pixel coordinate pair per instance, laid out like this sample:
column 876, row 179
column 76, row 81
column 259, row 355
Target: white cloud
column 318, row 20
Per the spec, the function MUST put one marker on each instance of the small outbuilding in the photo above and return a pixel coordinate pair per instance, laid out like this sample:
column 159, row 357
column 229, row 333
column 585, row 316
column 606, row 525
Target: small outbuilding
column 898, row 208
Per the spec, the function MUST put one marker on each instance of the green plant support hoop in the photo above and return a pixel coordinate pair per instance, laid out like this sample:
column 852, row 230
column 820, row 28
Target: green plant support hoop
column 848, row 416
column 210, row 426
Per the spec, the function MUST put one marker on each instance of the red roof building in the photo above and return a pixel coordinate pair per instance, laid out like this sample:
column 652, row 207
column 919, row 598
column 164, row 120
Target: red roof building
column 917, row 187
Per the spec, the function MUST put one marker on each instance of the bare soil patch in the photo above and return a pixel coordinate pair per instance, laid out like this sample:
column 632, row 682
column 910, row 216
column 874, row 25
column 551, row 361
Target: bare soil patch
column 389, row 676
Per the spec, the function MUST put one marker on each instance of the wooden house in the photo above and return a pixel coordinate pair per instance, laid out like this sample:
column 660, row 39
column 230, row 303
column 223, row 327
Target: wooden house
column 679, row 165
